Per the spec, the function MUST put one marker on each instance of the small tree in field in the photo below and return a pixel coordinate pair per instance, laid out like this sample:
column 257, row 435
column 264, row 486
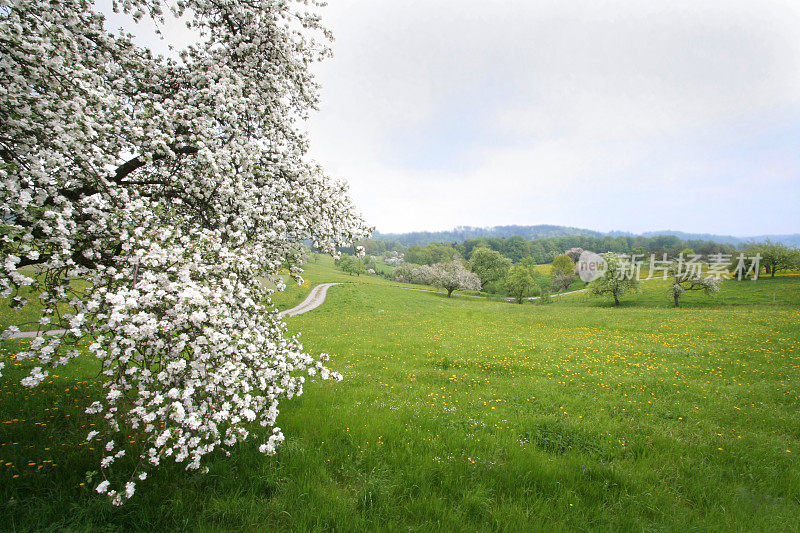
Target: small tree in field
column 561, row 281
column 449, row 276
column 615, row 281
column 455, row 276
column 776, row 256
column 490, row 266
column 425, row 275
column 352, row 265
column 562, row 272
column 684, row 280
column 520, row 283
column 404, row 272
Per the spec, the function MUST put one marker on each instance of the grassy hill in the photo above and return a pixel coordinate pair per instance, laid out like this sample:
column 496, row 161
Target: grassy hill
column 465, row 414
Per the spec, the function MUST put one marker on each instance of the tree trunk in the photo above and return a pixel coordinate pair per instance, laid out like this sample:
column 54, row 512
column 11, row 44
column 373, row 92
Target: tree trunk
column 616, row 300
column 675, row 297
column 449, row 292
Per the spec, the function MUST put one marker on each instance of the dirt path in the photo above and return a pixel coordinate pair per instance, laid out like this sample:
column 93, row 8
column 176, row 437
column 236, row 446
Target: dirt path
column 314, row 299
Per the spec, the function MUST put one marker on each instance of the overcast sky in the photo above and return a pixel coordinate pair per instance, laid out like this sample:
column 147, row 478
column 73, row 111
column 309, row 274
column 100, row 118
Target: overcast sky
column 623, row 115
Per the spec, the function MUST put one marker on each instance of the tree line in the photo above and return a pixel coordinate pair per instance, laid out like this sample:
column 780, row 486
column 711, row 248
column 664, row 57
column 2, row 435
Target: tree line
column 490, row 271
column 544, row 250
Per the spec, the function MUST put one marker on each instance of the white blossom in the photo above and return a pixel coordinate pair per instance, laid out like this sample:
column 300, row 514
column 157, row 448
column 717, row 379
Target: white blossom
column 172, row 188
column 449, row 276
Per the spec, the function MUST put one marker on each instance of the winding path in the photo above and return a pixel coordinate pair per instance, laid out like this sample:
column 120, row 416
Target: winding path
column 314, row 299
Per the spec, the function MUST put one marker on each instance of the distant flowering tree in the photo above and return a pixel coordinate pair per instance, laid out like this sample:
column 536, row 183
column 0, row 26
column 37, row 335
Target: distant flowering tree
column 574, row 253
column 449, row 276
column 684, row 279
column 616, row 280
column 425, row 275
column 404, row 272
column 172, row 187
column 393, row 258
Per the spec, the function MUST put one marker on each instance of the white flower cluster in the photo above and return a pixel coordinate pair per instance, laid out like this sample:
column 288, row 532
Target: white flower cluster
column 170, row 189
column 393, row 258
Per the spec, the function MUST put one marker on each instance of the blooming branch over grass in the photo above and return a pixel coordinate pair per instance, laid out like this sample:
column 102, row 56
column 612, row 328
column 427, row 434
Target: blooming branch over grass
column 152, row 195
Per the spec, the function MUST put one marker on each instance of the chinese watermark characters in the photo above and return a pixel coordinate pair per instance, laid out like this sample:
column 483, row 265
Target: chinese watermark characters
column 719, row 266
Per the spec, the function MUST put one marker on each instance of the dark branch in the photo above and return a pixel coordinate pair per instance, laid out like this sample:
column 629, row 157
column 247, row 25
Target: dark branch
column 137, row 162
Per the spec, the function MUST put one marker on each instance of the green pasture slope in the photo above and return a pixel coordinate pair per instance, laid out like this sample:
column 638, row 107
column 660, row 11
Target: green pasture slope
column 462, row 414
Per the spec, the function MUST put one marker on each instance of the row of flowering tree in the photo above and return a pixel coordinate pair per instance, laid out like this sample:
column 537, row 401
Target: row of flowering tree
column 171, row 186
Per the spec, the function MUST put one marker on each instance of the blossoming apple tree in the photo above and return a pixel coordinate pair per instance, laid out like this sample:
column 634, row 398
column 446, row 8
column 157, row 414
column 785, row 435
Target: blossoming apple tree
column 450, row 276
column 144, row 200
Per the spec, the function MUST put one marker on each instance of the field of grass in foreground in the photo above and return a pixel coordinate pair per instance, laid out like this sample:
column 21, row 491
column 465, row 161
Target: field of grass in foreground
column 463, row 414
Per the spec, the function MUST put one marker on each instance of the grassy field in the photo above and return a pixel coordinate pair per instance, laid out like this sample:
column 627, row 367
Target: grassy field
column 465, row 414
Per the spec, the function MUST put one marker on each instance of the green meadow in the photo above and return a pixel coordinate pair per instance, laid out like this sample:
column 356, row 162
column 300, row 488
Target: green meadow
column 460, row 414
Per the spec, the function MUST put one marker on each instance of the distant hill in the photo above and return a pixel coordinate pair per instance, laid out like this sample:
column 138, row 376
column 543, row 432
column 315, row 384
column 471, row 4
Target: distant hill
column 789, row 240
column 462, row 233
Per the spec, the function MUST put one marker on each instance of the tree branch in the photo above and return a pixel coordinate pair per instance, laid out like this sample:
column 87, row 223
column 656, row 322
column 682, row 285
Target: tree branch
column 137, row 162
